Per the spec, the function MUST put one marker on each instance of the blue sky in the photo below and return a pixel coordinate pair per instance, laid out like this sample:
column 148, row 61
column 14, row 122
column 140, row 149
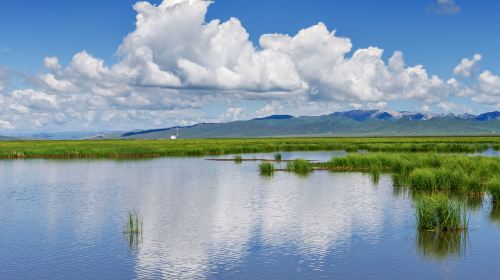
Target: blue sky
column 32, row 30
column 426, row 34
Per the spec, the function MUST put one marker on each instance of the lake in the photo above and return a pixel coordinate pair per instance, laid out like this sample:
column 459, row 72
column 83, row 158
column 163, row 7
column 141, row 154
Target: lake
column 221, row 220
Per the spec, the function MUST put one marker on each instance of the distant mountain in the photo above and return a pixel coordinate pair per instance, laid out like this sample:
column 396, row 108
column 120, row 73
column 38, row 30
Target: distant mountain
column 349, row 123
column 276, row 117
column 488, row 116
column 6, row 138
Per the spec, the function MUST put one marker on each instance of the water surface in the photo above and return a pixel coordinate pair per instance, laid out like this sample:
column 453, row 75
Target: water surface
column 221, row 220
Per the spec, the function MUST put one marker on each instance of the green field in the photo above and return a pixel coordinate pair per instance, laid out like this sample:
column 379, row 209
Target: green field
column 202, row 147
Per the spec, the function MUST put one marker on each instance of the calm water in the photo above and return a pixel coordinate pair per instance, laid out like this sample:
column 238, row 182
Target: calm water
column 221, row 220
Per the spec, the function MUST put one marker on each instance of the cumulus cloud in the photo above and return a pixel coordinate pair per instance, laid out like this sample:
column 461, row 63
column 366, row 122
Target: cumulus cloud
column 467, row 66
column 173, row 48
column 175, row 63
column 444, row 7
column 488, row 89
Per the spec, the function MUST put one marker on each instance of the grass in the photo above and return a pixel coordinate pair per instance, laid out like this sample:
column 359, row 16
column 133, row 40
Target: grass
column 238, row 159
column 277, row 157
column 437, row 212
column 266, row 168
column 426, row 171
column 299, row 166
column 203, row 147
column 134, row 223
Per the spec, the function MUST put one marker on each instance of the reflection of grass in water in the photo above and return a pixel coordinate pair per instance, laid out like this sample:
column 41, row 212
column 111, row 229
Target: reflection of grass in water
column 441, row 244
column 238, row 159
column 495, row 190
column 438, row 212
column 375, row 176
column 474, row 202
column 133, row 228
column 266, row 168
column 495, row 213
column 299, row 166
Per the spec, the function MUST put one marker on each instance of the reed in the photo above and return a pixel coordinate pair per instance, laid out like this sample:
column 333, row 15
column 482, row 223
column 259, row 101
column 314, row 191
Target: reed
column 437, row 212
column 266, row 168
column 277, row 157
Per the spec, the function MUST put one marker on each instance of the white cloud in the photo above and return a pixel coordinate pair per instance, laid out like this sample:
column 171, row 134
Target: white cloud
column 445, row 7
column 466, row 66
column 450, row 107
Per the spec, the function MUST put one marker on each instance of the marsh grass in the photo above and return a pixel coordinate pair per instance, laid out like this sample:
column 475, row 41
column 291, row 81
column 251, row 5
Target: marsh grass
column 202, row 147
column 277, row 157
column 238, row 159
column 426, row 171
column 299, row 166
column 266, row 168
column 437, row 212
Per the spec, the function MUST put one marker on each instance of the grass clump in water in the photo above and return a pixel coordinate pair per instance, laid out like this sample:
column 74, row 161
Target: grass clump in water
column 134, row 223
column 266, row 168
column 299, row 166
column 437, row 212
column 238, row 159
column 277, row 157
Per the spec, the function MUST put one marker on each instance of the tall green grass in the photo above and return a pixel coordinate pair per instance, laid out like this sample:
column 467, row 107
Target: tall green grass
column 299, row 166
column 202, row 147
column 437, row 212
column 277, row 157
column 266, row 168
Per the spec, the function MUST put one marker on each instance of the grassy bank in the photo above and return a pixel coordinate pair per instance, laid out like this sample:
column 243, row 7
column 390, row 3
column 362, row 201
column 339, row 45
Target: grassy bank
column 203, row 147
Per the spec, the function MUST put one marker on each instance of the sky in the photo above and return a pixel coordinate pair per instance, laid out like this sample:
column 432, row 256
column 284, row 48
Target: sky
column 120, row 65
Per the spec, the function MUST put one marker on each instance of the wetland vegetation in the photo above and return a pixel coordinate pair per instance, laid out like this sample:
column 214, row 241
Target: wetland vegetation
column 203, row 147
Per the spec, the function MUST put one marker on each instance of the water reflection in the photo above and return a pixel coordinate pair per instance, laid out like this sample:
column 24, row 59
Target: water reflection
column 495, row 213
column 203, row 219
column 441, row 245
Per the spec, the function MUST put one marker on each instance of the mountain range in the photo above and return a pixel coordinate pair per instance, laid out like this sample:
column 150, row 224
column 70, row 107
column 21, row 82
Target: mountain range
column 348, row 123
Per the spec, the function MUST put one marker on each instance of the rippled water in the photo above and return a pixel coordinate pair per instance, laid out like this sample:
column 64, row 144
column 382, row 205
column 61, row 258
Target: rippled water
column 221, row 220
